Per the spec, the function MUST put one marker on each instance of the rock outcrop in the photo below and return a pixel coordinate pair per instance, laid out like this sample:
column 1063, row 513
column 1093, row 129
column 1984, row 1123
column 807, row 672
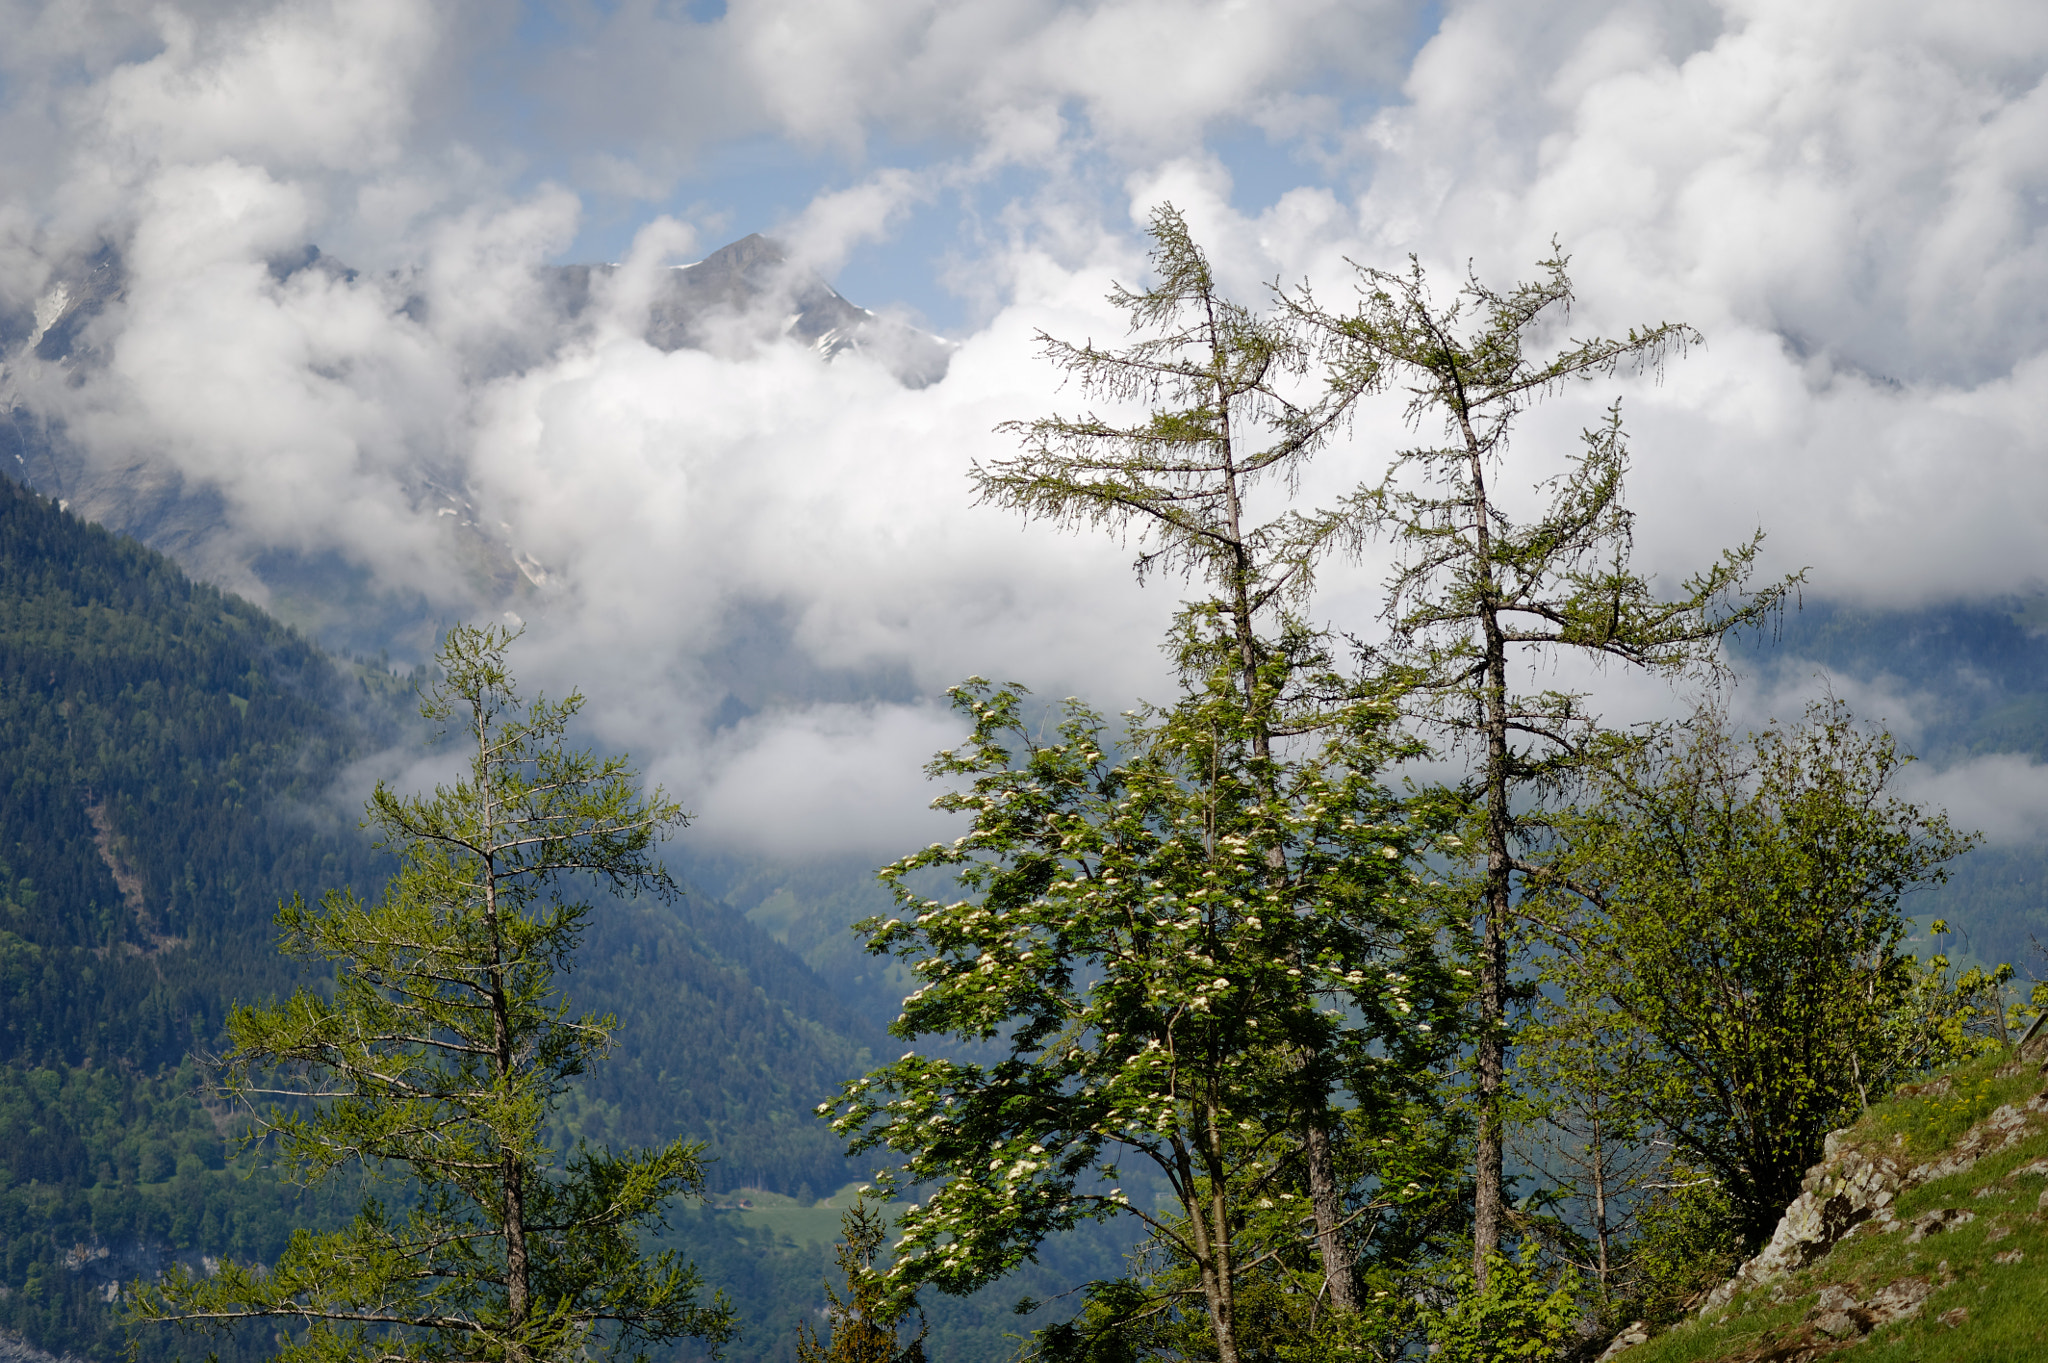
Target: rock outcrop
column 1855, row 1188
column 15, row 1349
column 1847, row 1188
column 1837, row 1314
column 1851, row 1186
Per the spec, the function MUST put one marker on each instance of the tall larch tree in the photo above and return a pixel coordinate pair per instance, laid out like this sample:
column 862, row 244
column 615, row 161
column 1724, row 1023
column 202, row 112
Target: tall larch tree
column 435, row 1061
column 1478, row 595
column 1226, row 414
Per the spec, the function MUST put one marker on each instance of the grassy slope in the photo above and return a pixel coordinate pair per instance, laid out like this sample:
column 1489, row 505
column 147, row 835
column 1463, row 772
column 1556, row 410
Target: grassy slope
column 1989, row 1276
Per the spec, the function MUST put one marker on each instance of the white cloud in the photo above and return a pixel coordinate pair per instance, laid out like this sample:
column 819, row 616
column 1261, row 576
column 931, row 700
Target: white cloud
column 1143, row 75
column 2004, row 796
column 1849, row 200
column 827, row 781
column 326, row 85
column 832, row 224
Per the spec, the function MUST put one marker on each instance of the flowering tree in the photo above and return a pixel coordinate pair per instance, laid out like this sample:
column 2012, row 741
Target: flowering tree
column 1178, row 954
column 1231, row 407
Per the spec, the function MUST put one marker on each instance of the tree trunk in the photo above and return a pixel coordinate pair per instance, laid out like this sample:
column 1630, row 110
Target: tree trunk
column 1489, row 1219
column 1489, row 1189
column 1326, row 1200
column 1219, row 1273
column 1600, row 1202
column 1209, row 1229
column 511, row 1172
column 516, row 1273
column 511, row 1175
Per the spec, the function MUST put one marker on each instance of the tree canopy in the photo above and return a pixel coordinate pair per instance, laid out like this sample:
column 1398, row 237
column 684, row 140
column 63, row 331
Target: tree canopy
column 1153, row 945
column 1734, row 907
column 1479, row 592
column 436, row 1058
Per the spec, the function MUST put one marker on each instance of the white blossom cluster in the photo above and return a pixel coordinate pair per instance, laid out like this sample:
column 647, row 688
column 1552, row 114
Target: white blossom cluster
column 1145, row 945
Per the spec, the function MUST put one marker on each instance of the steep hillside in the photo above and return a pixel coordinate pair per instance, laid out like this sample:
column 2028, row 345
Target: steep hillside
column 163, row 753
column 168, row 761
column 809, row 907
column 163, row 748
column 1923, row 1235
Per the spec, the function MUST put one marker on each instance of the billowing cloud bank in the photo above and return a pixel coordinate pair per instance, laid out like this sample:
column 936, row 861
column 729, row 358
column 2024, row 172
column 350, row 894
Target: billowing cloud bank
column 763, row 567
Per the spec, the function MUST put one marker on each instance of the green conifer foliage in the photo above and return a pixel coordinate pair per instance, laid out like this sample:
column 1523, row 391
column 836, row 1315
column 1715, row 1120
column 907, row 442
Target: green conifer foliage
column 1481, row 590
column 435, row 1061
column 864, row 1320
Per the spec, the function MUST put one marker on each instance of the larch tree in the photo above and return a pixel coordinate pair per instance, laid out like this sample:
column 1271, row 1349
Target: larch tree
column 435, row 1062
column 1191, row 953
column 1478, row 595
column 1226, row 417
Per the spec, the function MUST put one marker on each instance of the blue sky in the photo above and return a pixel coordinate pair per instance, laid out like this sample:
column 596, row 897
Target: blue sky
column 759, row 180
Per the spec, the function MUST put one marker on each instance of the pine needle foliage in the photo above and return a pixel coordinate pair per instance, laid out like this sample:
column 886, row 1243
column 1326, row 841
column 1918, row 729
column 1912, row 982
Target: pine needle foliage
column 863, row 1322
column 1476, row 593
column 1225, row 412
column 435, row 1061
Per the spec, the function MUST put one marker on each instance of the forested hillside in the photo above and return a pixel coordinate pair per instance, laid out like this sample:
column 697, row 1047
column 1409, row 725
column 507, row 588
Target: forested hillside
column 169, row 769
column 164, row 754
column 162, row 750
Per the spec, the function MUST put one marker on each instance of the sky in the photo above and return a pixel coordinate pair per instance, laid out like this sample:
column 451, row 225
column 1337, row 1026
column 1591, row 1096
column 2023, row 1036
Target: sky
column 1846, row 200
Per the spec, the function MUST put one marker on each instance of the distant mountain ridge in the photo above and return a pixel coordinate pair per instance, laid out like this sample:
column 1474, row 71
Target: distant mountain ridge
column 163, row 750
column 167, row 759
column 692, row 307
column 751, row 291
column 1974, row 674
column 744, row 296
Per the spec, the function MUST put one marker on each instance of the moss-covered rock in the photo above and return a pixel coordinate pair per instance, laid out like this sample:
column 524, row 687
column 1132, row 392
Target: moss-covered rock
column 1922, row 1235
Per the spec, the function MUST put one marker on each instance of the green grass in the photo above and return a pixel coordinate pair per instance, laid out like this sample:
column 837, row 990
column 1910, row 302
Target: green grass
column 1932, row 1123
column 2006, row 1304
column 801, row 1223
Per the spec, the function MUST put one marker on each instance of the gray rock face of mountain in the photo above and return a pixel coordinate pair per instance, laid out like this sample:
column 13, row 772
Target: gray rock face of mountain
column 748, row 292
column 15, row 1349
column 741, row 298
column 751, row 290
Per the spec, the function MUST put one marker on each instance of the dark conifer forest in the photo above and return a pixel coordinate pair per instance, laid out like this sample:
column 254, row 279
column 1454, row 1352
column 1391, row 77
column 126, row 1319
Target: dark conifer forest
column 174, row 766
